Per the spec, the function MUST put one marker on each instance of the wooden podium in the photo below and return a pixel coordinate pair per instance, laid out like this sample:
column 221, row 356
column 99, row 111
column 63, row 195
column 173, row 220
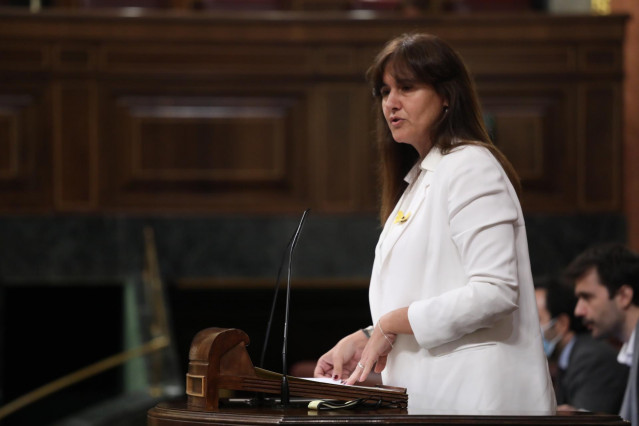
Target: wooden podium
column 218, row 360
column 177, row 413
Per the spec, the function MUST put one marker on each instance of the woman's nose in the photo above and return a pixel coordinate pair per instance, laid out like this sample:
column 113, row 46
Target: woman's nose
column 392, row 101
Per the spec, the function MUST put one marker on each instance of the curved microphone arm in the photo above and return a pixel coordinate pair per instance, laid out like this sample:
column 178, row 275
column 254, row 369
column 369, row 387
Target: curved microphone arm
column 285, row 391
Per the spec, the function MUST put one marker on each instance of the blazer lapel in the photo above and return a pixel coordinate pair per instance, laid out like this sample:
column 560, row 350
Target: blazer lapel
column 395, row 227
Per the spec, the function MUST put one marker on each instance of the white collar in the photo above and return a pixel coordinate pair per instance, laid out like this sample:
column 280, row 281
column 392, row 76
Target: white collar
column 429, row 163
column 625, row 354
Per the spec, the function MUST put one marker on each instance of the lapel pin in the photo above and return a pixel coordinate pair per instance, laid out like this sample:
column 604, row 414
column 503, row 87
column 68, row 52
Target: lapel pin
column 401, row 217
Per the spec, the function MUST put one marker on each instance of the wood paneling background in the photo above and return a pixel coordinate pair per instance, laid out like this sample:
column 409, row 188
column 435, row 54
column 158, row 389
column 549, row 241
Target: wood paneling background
column 217, row 129
column 25, row 145
column 630, row 122
column 269, row 112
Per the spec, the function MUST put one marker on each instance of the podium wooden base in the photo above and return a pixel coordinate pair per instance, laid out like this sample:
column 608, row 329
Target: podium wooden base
column 176, row 413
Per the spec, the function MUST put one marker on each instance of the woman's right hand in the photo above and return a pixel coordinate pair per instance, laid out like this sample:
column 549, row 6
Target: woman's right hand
column 340, row 362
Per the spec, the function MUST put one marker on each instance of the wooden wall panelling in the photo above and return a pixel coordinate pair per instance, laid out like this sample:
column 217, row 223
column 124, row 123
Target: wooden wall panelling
column 210, row 127
column 24, row 56
column 75, row 145
column 169, row 83
column 599, row 152
column 516, row 58
column 369, row 180
column 337, row 61
column 341, row 135
column 74, row 57
column 599, row 132
column 25, row 147
column 204, row 148
column 600, row 58
column 75, row 122
column 533, row 127
column 342, row 141
column 204, row 60
column 10, row 136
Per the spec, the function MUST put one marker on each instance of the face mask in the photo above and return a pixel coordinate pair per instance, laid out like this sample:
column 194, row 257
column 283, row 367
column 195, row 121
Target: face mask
column 549, row 345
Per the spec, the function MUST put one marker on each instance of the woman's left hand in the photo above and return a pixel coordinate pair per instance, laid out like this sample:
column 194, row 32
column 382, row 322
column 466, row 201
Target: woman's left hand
column 374, row 355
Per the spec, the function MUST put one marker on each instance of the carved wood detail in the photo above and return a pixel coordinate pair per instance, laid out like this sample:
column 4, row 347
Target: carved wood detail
column 525, row 125
column 25, row 162
column 204, row 150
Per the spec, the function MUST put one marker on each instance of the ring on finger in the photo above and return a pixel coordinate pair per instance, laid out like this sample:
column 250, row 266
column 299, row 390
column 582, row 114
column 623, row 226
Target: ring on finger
column 360, row 365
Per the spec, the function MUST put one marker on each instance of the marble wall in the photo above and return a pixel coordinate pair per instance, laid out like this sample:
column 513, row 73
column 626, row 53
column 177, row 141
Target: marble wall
column 58, row 248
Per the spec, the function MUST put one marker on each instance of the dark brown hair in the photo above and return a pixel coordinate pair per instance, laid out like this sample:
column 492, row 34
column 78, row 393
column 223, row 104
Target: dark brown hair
column 616, row 265
column 428, row 59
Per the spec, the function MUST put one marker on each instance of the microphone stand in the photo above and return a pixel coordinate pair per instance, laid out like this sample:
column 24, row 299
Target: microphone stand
column 274, row 303
column 285, row 398
column 259, row 397
column 288, row 250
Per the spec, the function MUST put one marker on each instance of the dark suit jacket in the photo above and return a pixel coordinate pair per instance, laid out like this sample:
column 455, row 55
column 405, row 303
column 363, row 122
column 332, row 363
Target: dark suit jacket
column 630, row 407
column 593, row 380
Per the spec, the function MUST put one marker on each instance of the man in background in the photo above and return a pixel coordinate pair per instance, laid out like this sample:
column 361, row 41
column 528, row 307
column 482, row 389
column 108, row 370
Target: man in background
column 585, row 371
column 606, row 280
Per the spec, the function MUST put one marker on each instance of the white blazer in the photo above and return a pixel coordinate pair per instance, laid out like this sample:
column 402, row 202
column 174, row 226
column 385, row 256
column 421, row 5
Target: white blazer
column 460, row 263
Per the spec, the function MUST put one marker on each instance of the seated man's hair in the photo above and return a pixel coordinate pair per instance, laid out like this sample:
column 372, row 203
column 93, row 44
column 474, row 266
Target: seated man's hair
column 616, row 266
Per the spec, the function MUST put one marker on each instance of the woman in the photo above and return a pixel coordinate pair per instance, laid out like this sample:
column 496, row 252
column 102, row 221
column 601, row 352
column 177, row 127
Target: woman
column 451, row 292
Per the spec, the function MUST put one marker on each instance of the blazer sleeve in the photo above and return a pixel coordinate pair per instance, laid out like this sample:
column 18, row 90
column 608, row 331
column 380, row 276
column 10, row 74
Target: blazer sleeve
column 482, row 216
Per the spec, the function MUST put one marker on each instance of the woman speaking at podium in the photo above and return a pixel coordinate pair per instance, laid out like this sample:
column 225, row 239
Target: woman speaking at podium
column 451, row 292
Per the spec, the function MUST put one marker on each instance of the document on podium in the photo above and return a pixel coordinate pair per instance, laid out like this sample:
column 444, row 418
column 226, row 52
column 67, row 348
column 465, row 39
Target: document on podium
column 324, row 380
column 327, row 387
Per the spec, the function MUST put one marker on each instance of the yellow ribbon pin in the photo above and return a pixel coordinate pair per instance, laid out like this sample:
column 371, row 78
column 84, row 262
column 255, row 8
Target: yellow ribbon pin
column 401, row 217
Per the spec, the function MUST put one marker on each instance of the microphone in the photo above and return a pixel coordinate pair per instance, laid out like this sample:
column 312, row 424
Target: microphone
column 288, row 250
